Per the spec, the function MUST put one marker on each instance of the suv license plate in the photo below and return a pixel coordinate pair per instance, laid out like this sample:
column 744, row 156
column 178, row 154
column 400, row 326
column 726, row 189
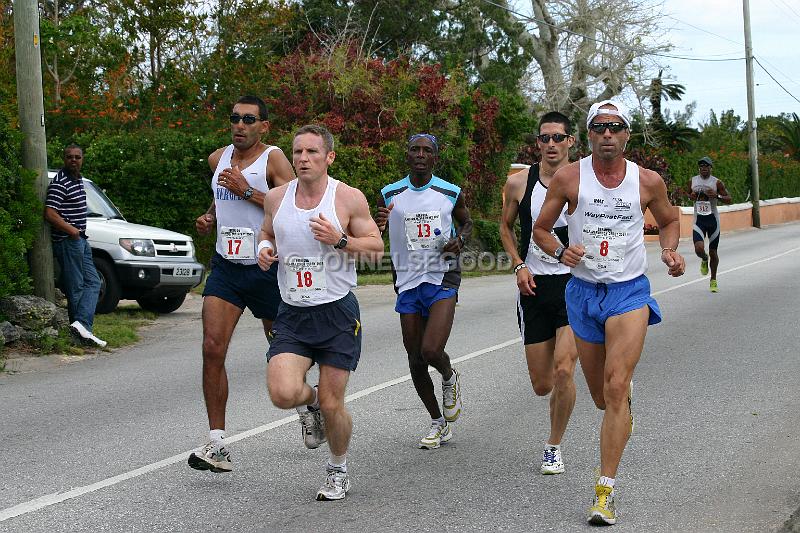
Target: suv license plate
column 182, row 272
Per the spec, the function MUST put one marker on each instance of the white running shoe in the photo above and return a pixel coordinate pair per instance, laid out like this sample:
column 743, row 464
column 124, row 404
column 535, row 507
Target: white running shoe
column 336, row 485
column 312, row 427
column 551, row 461
column 437, row 435
column 212, row 457
column 451, row 399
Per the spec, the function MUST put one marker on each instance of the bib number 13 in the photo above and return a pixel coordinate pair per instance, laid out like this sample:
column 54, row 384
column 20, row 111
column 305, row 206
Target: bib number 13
column 424, row 230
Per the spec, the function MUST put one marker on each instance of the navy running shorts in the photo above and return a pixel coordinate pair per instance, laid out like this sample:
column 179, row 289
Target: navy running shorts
column 539, row 316
column 589, row 305
column 328, row 334
column 245, row 286
column 706, row 225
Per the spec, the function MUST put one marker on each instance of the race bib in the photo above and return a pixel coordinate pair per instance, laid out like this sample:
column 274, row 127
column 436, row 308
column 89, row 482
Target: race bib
column 305, row 278
column 238, row 243
column 703, row 207
column 604, row 248
column 420, row 229
column 538, row 253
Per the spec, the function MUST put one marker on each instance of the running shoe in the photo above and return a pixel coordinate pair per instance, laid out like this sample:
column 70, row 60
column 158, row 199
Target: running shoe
column 437, row 435
column 713, row 286
column 602, row 512
column 312, row 426
column 551, row 461
column 212, row 457
column 630, row 405
column 704, row 267
column 451, row 399
column 336, row 485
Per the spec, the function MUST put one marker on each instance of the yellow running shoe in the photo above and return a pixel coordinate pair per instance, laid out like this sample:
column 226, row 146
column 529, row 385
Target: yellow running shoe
column 603, row 512
column 704, row 267
column 713, row 286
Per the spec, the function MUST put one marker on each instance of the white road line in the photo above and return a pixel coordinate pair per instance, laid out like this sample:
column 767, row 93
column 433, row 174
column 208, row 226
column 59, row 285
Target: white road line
column 52, row 499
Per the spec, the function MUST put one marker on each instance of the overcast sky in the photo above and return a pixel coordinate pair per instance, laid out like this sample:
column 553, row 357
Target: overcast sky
column 716, row 32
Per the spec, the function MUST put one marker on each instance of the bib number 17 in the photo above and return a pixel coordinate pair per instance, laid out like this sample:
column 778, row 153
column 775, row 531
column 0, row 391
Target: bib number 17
column 233, row 246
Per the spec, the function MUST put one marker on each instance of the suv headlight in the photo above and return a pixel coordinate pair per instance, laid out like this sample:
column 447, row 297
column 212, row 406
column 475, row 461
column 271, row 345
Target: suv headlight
column 143, row 247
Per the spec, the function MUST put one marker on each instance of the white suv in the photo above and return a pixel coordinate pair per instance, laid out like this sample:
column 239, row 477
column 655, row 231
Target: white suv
column 155, row 267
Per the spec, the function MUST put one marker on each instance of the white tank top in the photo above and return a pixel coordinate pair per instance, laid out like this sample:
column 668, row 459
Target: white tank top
column 609, row 223
column 417, row 215
column 239, row 220
column 539, row 263
column 705, row 206
column 309, row 272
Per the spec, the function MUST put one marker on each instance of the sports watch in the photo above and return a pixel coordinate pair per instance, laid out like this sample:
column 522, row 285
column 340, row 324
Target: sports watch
column 342, row 242
column 248, row 193
column 559, row 253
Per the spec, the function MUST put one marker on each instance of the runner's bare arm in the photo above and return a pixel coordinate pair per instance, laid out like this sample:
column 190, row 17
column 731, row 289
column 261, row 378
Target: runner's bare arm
column 667, row 219
column 722, row 193
column 508, row 217
column 363, row 236
column 563, row 187
column 464, row 220
column 382, row 214
column 268, row 255
column 279, row 170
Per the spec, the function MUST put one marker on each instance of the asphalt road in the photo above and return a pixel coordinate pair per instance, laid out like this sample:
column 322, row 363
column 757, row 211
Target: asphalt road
column 100, row 445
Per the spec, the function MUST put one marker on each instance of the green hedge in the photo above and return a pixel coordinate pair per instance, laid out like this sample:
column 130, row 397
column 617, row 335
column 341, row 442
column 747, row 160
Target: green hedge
column 20, row 213
column 159, row 178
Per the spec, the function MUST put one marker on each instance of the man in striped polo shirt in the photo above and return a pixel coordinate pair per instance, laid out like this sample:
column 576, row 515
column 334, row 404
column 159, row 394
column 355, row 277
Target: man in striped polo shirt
column 65, row 210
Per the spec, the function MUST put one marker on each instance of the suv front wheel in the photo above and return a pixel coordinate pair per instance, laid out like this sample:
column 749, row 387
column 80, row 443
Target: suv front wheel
column 110, row 291
column 161, row 304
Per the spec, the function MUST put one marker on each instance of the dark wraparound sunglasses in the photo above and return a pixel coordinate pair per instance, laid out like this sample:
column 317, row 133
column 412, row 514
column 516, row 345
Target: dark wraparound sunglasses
column 600, row 127
column 247, row 119
column 544, row 138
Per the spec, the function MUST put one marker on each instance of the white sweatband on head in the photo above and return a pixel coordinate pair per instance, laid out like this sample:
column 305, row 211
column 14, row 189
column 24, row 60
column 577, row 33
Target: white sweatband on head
column 265, row 244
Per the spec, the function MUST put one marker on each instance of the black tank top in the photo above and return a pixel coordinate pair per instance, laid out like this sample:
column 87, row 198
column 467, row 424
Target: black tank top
column 525, row 219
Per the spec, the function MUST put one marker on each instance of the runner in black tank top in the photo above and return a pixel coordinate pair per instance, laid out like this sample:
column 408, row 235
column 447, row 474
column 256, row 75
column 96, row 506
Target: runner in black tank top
column 541, row 310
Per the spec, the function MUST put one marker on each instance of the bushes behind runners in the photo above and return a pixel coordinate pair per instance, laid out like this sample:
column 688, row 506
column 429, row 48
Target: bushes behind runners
column 20, row 213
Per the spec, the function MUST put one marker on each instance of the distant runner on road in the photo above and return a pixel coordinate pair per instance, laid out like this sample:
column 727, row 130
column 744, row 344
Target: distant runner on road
column 706, row 191
column 541, row 310
column 608, row 297
column 428, row 224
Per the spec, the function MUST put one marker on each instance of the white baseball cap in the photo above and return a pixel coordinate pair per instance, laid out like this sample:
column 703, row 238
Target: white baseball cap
column 621, row 111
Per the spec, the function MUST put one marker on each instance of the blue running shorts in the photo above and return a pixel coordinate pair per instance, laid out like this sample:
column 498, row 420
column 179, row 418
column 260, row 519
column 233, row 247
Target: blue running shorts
column 421, row 298
column 589, row 305
column 245, row 286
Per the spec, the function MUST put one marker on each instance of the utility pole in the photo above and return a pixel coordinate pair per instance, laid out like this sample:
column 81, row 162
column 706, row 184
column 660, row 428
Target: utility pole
column 751, row 116
column 34, row 144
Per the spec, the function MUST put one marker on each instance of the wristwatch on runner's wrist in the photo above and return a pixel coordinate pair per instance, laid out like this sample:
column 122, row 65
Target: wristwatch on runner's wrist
column 248, row 193
column 559, row 253
column 342, row 242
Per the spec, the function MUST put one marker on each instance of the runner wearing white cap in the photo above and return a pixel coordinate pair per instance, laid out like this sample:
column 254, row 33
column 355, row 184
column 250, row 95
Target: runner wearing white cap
column 608, row 298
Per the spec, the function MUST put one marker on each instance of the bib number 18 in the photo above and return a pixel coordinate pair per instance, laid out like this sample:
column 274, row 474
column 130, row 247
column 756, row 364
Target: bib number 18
column 304, row 279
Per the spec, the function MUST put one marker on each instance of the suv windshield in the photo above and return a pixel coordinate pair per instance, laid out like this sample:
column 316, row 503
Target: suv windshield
column 98, row 204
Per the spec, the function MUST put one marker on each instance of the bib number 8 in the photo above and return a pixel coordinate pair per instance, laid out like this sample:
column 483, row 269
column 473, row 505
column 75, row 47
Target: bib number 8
column 604, row 248
column 304, row 279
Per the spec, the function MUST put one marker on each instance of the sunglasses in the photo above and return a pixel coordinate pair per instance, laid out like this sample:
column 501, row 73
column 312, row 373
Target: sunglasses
column 614, row 127
column 247, row 119
column 544, row 138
